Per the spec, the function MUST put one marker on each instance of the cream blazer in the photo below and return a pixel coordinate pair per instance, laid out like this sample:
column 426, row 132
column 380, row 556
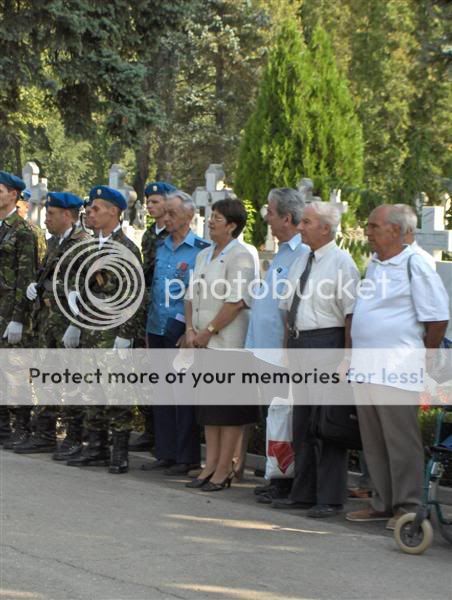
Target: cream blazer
column 227, row 278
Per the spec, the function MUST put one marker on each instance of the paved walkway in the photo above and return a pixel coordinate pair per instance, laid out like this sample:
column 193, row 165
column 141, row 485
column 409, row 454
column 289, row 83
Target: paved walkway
column 82, row 534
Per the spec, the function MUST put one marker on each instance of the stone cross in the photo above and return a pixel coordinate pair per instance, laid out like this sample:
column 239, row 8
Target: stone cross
column 132, row 216
column 306, row 187
column 433, row 236
column 37, row 186
column 335, row 200
column 205, row 196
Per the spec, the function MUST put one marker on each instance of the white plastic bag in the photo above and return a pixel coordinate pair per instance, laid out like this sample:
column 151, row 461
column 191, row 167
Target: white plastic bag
column 280, row 455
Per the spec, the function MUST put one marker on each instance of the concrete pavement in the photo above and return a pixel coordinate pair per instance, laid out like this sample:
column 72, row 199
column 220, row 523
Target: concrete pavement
column 83, row 534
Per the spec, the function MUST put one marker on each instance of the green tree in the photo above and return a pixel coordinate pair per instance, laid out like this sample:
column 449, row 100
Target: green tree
column 429, row 136
column 333, row 156
column 272, row 146
column 304, row 124
column 383, row 46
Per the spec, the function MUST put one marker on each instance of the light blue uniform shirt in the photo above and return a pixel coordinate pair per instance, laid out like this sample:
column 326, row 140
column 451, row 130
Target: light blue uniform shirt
column 173, row 267
column 266, row 326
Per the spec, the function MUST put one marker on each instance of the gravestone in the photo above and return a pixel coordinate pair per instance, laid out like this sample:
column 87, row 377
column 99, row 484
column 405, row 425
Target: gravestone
column 133, row 218
column 37, row 186
column 435, row 239
column 306, row 188
column 205, row 196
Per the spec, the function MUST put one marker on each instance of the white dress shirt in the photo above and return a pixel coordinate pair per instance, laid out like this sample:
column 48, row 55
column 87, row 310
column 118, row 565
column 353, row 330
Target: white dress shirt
column 330, row 292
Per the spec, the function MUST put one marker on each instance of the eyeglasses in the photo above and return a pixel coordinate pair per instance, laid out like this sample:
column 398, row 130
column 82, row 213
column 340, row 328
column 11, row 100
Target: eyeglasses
column 217, row 218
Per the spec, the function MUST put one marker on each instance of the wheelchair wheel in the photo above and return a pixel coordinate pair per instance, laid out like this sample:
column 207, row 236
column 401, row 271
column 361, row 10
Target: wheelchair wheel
column 413, row 543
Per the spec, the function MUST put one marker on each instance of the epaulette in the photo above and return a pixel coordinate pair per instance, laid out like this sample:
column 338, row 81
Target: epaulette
column 200, row 243
column 159, row 241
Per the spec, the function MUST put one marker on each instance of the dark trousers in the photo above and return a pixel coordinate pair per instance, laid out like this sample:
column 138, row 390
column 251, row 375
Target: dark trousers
column 177, row 435
column 320, row 467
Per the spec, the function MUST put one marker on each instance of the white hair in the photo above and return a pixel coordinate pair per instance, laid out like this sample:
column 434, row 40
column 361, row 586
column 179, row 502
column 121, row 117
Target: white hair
column 328, row 214
column 185, row 198
column 404, row 216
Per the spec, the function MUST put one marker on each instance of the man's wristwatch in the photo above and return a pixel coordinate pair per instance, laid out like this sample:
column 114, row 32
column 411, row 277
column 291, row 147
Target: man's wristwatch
column 211, row 329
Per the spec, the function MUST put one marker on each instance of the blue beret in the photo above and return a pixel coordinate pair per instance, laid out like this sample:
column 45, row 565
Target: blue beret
column 103, row 192
column 159, row 187
column 63, row 200
column 26, row 195
column 12, row 181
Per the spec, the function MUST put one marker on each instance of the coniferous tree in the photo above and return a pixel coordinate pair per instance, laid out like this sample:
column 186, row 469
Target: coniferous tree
column 304, row 124
column 272, row 146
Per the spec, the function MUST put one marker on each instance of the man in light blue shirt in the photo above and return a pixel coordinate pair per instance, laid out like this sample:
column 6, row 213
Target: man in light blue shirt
column 267, row 321
column 177, row 442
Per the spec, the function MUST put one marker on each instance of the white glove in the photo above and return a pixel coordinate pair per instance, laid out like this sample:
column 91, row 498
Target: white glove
column 72, row 301
column 71, row 337
column 32, row 292
column 13, row 332
column 121, row 343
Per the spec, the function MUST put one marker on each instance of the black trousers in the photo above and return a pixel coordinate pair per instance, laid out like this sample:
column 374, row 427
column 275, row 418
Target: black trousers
column 176, row 432
column 320, row 467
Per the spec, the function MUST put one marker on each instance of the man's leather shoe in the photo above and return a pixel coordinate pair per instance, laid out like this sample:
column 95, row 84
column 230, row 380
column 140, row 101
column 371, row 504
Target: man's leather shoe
column 291, row 504
column 263, row 489
column 181, row 469
column 157, row 465
column 323, row 511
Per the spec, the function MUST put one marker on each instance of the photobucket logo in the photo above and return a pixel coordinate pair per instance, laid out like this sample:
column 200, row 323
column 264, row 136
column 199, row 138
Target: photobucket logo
column 105, row 286
column 341, row 287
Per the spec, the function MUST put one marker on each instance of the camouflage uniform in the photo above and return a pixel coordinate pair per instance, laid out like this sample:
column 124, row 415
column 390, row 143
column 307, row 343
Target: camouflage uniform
column 105, row 284
column 149, row 249
column 18, row 265
column 49, row 325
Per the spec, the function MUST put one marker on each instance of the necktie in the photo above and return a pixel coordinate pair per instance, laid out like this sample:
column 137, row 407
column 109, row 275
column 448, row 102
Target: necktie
column 298, row 292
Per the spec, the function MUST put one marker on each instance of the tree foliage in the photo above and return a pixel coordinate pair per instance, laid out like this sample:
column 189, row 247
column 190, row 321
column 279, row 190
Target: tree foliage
column 304, row 124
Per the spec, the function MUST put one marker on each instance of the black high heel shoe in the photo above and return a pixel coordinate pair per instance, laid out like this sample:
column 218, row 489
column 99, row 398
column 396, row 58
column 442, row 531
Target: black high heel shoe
column 216, row 487
column 198, row 483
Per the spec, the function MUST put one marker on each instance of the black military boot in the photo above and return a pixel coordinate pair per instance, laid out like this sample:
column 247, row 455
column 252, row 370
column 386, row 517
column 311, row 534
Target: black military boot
column 42, row 440
column 36, row 443
column 5, row 428
column 119, row 461
column 70, row 447
column 95, row 453
column 21, row 431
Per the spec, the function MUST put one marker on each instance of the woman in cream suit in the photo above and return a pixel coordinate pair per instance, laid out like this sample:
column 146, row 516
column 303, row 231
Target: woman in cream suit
column 217, row 318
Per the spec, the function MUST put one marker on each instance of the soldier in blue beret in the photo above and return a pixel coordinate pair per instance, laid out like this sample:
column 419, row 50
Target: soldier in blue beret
column 159, row 188
column 155, row 194
column 18, row 262
column 103, row 192
column 106, row 209
column 12, row 182
column 51, row 327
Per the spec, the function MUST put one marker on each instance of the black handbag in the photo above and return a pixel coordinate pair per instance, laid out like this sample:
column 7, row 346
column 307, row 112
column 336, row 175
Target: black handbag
column 338, row 425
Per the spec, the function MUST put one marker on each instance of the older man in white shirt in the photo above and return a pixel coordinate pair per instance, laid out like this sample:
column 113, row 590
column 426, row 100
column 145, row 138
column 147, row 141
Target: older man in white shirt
column 406, row 312
column 319, row 316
